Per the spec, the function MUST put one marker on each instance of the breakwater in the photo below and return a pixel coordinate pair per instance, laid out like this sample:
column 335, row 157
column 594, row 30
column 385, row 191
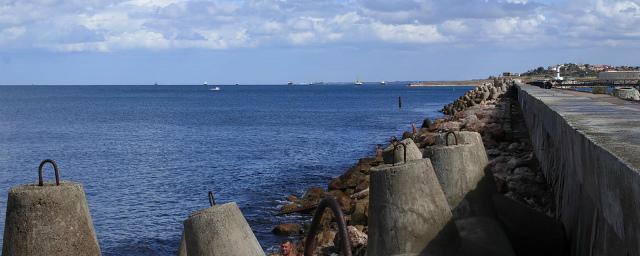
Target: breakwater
column 502, row 176
column 589, row 147
column 507, row 186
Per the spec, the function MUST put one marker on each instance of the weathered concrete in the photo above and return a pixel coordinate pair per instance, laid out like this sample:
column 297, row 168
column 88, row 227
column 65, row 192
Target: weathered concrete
column 532, row 233
column 183, row 246
column 483, row 236
column 408, row 211
column 413, row 152
column 49, row 220
column 460, row 167
column 220, row 230
column 450, row 168
column 589, row 148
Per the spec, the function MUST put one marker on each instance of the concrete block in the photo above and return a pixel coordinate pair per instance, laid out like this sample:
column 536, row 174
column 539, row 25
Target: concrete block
column 220, row 230
column 459, row 168
column 49, row 220
column 408, row 211
column 413, row 152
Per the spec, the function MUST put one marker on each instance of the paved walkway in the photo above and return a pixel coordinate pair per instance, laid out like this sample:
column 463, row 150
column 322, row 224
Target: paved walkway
column 608, row 121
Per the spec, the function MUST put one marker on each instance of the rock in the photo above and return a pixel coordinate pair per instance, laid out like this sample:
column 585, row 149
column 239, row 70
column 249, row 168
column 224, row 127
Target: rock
column 513, row 147
column 289, row 207
column 345, row 203
column 357, row 238
column 325, row 238
column 313, row 194
column 286, row 229
column 426, row 123
column 493, row 152
column 407, row 135
column 360, row 213
column 449, row 126
column 292, row 198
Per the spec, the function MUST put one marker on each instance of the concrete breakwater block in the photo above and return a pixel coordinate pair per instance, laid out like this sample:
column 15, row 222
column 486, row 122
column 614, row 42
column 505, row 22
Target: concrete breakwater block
column 49, row 220
column 220, row 230
column 482, row 236
column 408, row 212
column 391, row 156
column 459, row 167
column 183, row 246
column 467, row 137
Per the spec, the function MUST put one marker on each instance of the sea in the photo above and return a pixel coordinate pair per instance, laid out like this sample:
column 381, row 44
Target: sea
column 147, row 155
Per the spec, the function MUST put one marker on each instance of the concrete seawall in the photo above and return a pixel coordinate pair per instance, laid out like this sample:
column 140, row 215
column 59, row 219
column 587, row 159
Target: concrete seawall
column 589, row 147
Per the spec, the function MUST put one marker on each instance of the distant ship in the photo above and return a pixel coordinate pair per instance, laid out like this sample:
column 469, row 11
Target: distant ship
column 383, row 82
column 155, row 83
column 205, row 83
column 215, row 89
column 358, row 82
column 289, row 83
column 316, row 83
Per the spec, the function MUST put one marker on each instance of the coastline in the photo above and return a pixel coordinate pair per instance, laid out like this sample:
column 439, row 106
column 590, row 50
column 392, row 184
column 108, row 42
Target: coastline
column 481, row 110
column 472, row 82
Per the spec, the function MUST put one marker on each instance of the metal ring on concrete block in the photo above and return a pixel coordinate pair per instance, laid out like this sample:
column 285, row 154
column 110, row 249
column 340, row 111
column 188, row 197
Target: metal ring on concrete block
column 212, row 200
column 446, row 137
column 55, row 169
column 310, row 240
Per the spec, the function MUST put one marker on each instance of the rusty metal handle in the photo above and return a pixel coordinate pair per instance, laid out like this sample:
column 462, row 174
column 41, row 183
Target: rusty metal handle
column 446, row 137
column 310, row 240
column 55, row 169
column 212, row 200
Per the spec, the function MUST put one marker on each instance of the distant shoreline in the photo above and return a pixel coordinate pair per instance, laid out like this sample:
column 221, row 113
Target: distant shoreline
column 474, row 82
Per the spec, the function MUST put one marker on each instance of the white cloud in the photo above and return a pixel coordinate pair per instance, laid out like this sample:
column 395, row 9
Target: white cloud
column 408, row 33
column 101, row 25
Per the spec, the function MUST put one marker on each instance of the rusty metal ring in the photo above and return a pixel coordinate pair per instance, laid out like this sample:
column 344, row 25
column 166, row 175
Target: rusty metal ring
column 310, row 240
column 55, row 169
column 212, row 200
column 446, row 137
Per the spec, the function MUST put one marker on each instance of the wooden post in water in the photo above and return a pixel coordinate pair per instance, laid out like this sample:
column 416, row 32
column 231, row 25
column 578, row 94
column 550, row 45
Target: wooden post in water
column 399, row 102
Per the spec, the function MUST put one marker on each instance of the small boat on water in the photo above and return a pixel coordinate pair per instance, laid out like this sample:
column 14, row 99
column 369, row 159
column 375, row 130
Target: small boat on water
column 205, row 83
column 290, row 83
column 383, row 82
column 215, row 89
column 358, row 82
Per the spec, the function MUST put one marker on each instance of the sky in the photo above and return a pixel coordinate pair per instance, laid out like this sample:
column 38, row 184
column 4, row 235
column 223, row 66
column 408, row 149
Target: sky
column 275, row 41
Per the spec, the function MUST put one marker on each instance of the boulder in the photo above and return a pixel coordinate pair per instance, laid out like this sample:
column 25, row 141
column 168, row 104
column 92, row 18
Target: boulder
column 286, row 229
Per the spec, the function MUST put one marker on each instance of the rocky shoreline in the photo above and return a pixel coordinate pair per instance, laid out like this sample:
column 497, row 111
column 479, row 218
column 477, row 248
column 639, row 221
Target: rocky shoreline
column 489, row 110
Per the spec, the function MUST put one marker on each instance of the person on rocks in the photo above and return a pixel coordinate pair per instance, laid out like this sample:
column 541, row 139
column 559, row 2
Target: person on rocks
column 288, row 248
column 379, row 152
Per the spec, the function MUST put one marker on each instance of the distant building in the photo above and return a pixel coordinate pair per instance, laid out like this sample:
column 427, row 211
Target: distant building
column 619, row 77
column 510, row 74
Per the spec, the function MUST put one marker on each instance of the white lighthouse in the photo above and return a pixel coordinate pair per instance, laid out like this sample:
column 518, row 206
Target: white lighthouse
column 558, row 77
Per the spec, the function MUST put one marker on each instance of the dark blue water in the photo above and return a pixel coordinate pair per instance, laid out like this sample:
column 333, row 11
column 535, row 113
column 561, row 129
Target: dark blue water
column 148, row 155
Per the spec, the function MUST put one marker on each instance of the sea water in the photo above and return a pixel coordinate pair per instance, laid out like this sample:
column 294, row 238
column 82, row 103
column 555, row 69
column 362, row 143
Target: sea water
column 148, row 155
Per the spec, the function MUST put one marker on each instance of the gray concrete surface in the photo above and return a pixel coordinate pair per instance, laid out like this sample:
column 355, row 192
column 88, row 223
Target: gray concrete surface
column 450, row 167
column 459, row 168
column 408, row 212
column 49, row 220
column 482, row 236
column 413, row 152
column 220, row 230
column 182, row 251
column 589, row 148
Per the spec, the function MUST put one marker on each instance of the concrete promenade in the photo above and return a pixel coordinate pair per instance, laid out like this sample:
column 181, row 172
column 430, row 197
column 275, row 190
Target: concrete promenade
column 589, row 147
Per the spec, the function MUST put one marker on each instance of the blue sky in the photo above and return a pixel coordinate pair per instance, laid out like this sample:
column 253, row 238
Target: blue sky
column 273, row 41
